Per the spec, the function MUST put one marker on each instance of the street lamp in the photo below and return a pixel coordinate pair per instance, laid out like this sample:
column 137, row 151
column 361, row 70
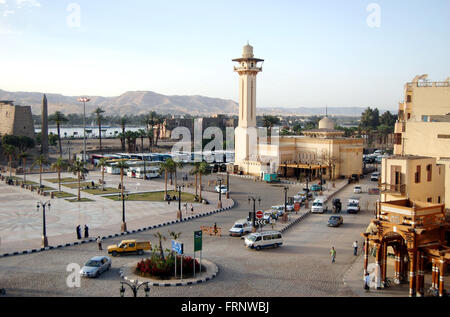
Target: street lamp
column 124, row 224
column 285, row 188
column 219, row 204
column 44, row 230
column 134, row 287
column 228, row 185
column 84, row 100
column 254, row 199
column 179, row 188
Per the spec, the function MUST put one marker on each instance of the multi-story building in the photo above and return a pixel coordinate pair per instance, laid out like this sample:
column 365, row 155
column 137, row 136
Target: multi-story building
column 423, row 126
column 412, row 177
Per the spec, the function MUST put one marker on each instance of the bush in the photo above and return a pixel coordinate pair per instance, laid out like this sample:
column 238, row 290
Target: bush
column 165, row 269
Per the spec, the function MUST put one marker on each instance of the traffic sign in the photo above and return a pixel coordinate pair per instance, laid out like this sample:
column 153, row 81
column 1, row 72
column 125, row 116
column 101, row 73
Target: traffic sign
column 178, row 247
column 259, row 214
column 198, row 240
column 260, row 222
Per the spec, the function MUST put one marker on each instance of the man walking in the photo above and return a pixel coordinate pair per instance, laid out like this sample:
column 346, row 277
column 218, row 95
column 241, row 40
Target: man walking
column 99, row 242
column 367, row 282
column 86, row 231
column 333, row 255
column 355, row 248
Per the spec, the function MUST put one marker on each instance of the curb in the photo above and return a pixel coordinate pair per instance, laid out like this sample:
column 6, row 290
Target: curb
column 287, row 227
column 209, row 213
column 177, row 283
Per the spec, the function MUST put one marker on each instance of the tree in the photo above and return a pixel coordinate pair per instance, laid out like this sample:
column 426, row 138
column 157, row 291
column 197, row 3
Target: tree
column 59, row 165
column 103, row 162
column 388, row 119
column 313, row 122
column 78, row 168
column 123, row 122
column 142, row 134
column 24, row 156
column 59, row 118
column 269, row 122
column 167, row 167
column 195, row 171
column 160, row 237
column 9, row 151
column 203, row 169
column 297, row 128
column 41, row 161
column 98, row 113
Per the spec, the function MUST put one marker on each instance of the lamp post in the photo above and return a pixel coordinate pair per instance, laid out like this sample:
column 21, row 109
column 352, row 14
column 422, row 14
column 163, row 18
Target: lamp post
column 254, row 199
column 228, row 185
column 219, row 204
column 180, row 214
column 135, row 288
column 44, row 230
column 285, row 188
column 84, row 100
column 124, row 224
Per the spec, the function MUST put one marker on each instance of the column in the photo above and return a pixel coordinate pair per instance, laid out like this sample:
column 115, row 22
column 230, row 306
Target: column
column 384, row 265
column 441, row 278
column 366, row 254
column 418, row 274
column 378, row 262
column 397, row 262
column 433, row 275
column 412, row 272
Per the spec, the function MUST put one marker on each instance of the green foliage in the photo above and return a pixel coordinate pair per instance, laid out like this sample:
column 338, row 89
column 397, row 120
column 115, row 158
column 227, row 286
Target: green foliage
column 22, row 143
column 52, row 139
column 370, row 119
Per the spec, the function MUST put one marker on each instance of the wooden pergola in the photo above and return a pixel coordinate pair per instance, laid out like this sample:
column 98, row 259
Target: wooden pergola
column 416, row 231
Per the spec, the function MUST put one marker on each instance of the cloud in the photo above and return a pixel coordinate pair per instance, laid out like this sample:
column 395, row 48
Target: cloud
column 7, row 12
column 27, row 3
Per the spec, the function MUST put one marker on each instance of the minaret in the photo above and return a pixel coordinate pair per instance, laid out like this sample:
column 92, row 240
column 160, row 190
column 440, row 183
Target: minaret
column 247, row 69
column 44, row 127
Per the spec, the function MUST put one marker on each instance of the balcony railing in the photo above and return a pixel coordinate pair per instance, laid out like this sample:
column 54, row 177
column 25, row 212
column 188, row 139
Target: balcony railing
column 429, row 84
column 396, row 189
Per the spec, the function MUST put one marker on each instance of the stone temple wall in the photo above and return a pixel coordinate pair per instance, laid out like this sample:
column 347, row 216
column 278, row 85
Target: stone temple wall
column 16, row 120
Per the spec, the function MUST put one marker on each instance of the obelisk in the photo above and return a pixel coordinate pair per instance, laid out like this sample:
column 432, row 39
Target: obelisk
column 44, row 127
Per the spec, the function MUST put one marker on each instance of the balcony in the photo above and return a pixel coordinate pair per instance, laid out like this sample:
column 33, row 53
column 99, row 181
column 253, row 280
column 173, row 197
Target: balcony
column 398, row 189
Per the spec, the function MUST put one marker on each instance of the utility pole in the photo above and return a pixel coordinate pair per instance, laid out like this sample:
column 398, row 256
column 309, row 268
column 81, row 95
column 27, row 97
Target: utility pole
column 254, row 199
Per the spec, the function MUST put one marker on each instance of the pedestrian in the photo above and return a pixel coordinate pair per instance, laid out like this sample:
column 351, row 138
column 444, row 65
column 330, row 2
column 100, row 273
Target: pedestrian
column 355, row 248
column 99, row 242
column 215, row 228
column 333, row 255
column 86, row 231
column 78, row 232
column 192, row 209
column 367, row 282
column 93, row 184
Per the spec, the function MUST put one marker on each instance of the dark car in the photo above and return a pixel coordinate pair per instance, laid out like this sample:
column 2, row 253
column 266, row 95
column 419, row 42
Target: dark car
column 315, row 188
column 335, row 221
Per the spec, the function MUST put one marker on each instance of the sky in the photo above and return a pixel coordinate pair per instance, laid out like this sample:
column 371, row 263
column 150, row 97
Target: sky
column 336, row 53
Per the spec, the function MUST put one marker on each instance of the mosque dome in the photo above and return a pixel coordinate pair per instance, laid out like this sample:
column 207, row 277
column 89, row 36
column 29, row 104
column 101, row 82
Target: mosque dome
column 326, row 123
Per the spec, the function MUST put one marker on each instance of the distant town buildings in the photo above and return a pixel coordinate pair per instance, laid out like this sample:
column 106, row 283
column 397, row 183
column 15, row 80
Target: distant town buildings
column 15, row 120
column 423, row 126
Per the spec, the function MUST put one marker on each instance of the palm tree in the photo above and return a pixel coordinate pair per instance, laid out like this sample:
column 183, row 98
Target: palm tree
column 102, row 163
column 41, row 161
column 142, row 134
column 203, row 169
column 59, row 165
column 24, row 156
column 123, row 122
column 194, row 171
column 177, row 165
column 123, row 166
column 9, row 150
column 98, row 112
column 78, row 168
column 59, row 118
column 160, row 237
column 150, row 123
column 164, row 168
column 159, row 121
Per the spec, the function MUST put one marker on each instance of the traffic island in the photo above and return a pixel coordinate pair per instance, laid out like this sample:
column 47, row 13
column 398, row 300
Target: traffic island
column 127, row 272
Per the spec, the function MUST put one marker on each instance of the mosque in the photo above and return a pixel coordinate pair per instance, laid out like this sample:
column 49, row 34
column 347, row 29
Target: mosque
column 323, row 151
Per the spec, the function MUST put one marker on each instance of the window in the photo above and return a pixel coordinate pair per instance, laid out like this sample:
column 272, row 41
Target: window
column 439, row 199
column 408, row 98
column 430, row 200
column 131, row 245
column 397, row 138
column 267, row 238
column 417, row 175
column 429, row 172
column 409, row 116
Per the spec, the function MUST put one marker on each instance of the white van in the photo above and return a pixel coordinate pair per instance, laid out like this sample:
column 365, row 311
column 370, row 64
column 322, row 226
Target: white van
column 318, row 206
column 259, row 240
column 240, row 228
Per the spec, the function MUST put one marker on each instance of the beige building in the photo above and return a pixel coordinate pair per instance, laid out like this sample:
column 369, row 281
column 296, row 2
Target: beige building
column 16, row 120
column 423, row 126
column 416, row 178
column 323, row 150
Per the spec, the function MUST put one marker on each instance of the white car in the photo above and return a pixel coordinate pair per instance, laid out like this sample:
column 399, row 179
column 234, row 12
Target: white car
column 240, row 228
column 222, row 189
column 318, row 206
column 357, row 190
column 375, row 176
column 96, row 266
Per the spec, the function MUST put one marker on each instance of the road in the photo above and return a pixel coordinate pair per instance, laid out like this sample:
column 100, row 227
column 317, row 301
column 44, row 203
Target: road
column 302, row 267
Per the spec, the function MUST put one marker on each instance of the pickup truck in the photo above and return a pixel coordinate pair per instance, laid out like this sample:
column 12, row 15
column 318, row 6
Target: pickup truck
column 129, row 246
